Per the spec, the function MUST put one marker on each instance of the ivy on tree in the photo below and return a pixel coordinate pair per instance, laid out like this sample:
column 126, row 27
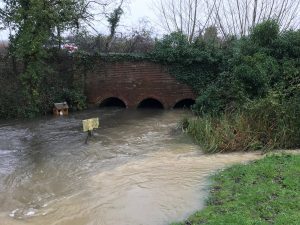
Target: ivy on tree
column 33, row 24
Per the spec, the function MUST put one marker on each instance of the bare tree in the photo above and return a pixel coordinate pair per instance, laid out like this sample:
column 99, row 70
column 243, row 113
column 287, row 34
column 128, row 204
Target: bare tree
column 98, row 11
column 139, row 39
column 231, row 17
column 235, row 17
column 190, row 17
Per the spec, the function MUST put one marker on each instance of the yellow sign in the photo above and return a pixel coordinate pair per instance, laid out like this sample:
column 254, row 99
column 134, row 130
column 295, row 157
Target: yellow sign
column 90, row 124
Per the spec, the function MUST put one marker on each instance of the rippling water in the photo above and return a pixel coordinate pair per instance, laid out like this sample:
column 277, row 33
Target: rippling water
column 137, row 169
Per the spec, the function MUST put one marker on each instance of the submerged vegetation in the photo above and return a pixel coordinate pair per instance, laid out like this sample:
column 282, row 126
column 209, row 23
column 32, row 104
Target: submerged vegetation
column 266, row 191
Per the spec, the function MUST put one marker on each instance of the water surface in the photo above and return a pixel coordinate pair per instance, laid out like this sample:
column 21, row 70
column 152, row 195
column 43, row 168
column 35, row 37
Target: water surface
column 137, row 169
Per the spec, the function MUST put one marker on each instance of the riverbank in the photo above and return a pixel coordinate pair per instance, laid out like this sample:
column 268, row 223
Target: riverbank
column 266, row 191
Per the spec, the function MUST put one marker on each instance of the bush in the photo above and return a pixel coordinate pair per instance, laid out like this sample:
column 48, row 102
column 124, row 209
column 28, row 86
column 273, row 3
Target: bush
column 265, row 33
column 255, row 74
column 76, row 99
column 225, row 94
column 195, row 64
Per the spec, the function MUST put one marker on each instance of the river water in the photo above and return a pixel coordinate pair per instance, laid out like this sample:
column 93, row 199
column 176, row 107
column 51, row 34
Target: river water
column 137, row 169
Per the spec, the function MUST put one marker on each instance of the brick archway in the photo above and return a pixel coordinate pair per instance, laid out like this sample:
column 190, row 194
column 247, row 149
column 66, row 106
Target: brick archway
column 101, row 99
column 150, row 103
column 133, row 82
column 184, row 103
column 113, row 102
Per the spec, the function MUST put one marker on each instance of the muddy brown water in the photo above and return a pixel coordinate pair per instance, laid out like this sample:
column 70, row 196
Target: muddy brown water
column 138, row 169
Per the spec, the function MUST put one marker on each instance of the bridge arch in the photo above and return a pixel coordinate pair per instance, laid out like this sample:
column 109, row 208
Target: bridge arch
column 150, row 103
column 132, row 82
column 184, row 103
column 112, row 102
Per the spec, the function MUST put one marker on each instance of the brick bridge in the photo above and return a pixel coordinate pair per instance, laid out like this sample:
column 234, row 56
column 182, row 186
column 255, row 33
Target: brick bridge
column 135, row 85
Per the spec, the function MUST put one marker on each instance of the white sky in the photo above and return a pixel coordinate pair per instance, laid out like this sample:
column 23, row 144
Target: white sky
column 137, row 10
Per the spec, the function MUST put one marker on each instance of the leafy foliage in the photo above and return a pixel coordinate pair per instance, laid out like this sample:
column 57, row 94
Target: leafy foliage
column 227, row 74
column 34, row 23
column 114, row 19
column 248, row 88
column 264, row 34
column 195, row 64
column 58, row 84
column 255, row 74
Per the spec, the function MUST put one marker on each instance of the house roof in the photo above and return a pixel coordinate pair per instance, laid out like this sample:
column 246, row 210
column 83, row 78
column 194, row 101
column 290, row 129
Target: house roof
column 61, row 105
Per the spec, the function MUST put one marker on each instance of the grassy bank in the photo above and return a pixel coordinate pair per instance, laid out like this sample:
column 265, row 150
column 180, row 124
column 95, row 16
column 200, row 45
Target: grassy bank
column 266, row 191
column 265, row 125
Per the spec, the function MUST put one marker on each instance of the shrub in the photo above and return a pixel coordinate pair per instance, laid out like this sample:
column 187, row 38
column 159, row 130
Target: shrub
column 265, row 33
column 256, row 73
column 225, row 94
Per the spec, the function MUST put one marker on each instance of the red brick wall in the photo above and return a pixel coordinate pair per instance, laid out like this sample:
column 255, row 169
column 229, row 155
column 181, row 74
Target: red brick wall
column 133, row 82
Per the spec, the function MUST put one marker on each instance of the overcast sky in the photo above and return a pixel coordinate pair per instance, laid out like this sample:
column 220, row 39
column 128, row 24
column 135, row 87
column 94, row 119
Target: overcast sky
column 137, row 10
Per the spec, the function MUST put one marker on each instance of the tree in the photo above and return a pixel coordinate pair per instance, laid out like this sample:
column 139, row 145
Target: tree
column 211, row 34
column 134, row 40
column 33, row 23
column 265, row 33
column 36, row 27
column 231, row 17
column 234, row 17
column 189, row 17
column 113, row 20
column 140, row 39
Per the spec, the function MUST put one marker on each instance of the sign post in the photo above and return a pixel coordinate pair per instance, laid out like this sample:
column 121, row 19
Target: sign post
column 89, row 125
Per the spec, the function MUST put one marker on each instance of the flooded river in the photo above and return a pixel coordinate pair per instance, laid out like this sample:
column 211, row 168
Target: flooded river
column 138, row 169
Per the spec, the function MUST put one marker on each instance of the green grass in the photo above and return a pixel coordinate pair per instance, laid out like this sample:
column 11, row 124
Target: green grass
column 266, row 191
column 264, row 124
column 244, row 132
